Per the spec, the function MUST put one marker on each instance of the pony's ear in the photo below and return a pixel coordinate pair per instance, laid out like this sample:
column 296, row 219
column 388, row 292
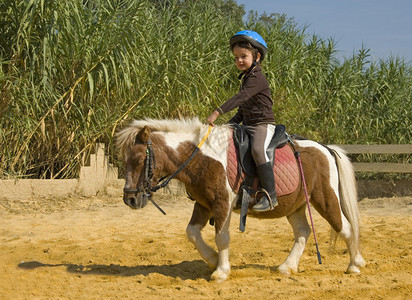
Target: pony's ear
column 143, row 135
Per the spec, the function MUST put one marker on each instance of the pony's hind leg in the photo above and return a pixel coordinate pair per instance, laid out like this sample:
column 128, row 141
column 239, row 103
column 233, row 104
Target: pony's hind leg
column 356, row 259
column 200, row 216
column 301, row 231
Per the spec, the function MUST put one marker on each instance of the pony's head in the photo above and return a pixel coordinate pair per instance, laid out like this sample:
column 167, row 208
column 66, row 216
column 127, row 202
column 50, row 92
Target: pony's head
column 135, row 146
column 155, row 149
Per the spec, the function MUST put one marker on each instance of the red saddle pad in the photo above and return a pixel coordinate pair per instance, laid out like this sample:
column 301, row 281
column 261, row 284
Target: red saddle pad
column 285, row 169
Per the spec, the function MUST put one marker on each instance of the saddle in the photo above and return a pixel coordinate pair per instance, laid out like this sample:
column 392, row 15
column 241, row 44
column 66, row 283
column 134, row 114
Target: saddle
column 242, row 169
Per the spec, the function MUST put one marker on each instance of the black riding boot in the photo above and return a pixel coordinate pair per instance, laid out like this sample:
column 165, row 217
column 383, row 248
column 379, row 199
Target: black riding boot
column 267, row 182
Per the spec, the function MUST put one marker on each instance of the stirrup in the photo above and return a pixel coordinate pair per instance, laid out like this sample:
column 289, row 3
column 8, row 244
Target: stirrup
column 272, row 204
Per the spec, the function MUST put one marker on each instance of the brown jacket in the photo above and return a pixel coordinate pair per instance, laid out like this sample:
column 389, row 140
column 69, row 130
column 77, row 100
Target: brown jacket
column 253, row 100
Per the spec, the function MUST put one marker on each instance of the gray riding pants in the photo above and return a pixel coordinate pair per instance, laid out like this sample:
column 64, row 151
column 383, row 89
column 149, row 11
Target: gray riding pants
column 260, row 137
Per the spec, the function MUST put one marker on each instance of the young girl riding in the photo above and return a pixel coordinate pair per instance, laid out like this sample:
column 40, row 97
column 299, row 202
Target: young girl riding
column 254, row 105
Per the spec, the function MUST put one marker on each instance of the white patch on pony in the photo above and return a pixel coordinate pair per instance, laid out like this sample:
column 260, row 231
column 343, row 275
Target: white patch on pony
column 173, row 139
column 217, row 143
column 174, row 131
column 334, row 180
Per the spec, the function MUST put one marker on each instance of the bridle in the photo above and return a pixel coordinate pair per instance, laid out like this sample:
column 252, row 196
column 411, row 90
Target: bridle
column 150, row 164
column 148, row 173
column 146, row 185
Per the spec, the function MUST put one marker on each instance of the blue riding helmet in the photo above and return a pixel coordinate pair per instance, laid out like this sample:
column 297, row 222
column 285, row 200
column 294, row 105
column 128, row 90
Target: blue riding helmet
column 251, row 37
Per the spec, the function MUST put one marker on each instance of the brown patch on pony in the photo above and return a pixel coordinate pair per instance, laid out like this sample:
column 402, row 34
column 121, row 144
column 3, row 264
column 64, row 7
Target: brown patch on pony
column 200, row 215
column 211, row 193
column 318, row 181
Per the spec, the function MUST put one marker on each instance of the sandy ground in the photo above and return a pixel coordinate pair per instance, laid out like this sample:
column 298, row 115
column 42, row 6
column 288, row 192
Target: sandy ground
column 97, row 248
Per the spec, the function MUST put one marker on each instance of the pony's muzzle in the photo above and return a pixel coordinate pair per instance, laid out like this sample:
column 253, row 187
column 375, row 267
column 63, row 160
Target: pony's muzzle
column 135, row 201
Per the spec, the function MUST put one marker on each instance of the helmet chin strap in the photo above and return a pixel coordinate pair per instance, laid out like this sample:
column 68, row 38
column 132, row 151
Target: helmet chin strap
column 254, row 64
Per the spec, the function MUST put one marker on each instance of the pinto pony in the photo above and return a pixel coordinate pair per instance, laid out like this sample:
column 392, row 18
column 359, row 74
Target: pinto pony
column 152, row 149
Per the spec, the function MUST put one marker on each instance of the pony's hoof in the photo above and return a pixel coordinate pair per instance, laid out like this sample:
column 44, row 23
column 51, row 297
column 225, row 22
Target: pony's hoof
column 359, row 261
column 352, row 269
column 286, row 270
column 219, row 276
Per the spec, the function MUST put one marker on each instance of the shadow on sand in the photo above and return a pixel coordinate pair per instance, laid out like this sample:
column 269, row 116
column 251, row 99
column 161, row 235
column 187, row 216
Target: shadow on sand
column 185, row 270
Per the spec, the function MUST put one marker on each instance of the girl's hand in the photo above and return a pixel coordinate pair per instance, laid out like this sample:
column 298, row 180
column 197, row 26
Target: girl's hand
column 212, row 118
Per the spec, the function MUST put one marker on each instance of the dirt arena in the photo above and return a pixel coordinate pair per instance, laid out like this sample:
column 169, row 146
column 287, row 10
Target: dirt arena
column 97, row 248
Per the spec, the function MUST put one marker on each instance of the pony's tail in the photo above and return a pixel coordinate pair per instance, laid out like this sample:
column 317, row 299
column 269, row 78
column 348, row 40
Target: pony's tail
column 348, row 195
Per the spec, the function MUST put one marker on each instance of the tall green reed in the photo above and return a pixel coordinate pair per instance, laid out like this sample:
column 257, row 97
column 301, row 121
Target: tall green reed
column 73, row 72
column 76, row 70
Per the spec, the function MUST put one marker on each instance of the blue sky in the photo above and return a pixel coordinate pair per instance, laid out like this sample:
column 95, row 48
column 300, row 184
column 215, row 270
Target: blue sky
column 383, row 26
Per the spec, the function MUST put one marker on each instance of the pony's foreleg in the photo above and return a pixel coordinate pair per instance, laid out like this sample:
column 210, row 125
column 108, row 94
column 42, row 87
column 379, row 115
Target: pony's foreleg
column 200, row 216
column 301, row 231
column 222, row 239
column 356, row 259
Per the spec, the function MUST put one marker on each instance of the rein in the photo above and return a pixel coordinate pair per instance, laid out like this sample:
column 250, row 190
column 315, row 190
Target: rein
column 150, row 165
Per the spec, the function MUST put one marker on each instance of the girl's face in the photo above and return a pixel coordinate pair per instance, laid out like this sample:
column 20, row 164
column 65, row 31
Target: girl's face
column 243, row 58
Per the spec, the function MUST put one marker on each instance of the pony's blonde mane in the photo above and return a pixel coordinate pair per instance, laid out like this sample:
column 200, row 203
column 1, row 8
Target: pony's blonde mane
column 126, row 137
